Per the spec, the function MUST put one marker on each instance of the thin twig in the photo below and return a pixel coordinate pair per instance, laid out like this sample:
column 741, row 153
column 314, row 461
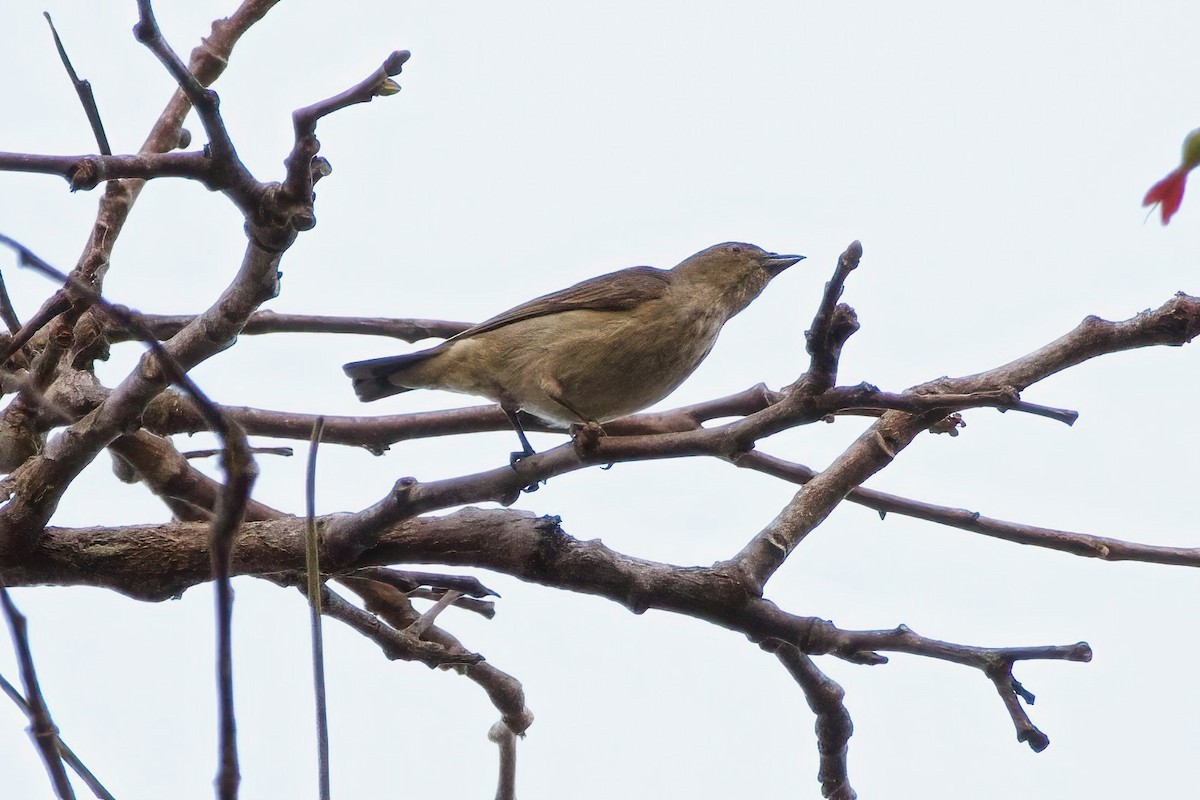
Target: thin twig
column 258, row 451
column 203, row 100
column 506, row 740
column 395, row 644
column 312, row 561
column 1081, row 544
column 68, row 755
column 408, row 330
column 484, row 608
column 1011, row 693
column 423, row 624
column 393, row 607
column 83, row 88
column 42, row 727
column 377, row 84
column 7, row 313
column 408, row 581
column 227, row 173
column 832, row 324
column 1064, row 415
column 50, row 309
column 833, row 726
column 304, row 169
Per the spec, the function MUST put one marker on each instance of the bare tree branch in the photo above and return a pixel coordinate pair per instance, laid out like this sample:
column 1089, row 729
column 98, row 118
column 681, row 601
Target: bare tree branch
column 169, row 475
column 7, row 313
column 302, row 168
column 832, row 325
column 1174, row 323
column 396, row 644
column 240, row 472
column 208, row 61
column 258, row 451
column 84, row 89
column 515, row 543
column 86, row 172
column 506, row 784
column 68, row 755
column 833, row 725
column 1080, row 544
column 42, row 728
column 165, row 326
column 502, row 689
column 408, row 581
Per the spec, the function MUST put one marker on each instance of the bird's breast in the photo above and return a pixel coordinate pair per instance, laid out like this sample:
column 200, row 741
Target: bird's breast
column 618, row 364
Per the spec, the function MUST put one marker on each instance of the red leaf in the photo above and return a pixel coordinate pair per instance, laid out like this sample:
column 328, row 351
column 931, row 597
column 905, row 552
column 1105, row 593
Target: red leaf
column 1168, row 192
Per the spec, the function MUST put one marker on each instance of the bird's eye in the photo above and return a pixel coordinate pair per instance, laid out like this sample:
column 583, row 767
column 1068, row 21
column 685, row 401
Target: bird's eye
column 736, row 249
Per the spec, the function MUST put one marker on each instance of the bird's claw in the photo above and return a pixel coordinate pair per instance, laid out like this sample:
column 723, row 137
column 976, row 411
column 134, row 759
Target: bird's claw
column 516, row 458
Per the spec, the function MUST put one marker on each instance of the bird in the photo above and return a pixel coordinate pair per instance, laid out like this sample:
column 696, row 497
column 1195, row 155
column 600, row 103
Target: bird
column 601, row 349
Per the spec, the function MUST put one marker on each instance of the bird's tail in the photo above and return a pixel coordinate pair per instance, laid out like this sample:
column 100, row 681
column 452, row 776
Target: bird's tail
column 373, row 379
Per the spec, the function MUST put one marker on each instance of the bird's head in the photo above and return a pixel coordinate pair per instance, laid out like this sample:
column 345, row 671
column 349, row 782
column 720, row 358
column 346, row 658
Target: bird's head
column 731, row 274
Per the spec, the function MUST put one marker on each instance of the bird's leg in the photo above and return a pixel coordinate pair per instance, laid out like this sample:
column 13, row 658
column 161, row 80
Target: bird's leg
column 527, row 449
column 584, row 433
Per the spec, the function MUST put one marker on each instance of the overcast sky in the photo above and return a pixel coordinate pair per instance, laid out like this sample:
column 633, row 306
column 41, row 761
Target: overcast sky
column 991, row 159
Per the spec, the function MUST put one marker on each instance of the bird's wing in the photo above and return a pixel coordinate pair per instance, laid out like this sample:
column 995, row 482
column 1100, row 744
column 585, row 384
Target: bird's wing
column 616, row 291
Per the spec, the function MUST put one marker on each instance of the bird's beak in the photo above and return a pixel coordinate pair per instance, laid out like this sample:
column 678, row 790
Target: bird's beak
column 774, row 263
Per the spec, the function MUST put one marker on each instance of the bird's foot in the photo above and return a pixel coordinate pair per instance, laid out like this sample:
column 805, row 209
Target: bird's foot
column 518, row 457
column 586, row 437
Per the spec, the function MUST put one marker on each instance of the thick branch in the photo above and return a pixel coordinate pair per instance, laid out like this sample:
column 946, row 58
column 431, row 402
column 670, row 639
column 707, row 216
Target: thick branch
column 131, row 560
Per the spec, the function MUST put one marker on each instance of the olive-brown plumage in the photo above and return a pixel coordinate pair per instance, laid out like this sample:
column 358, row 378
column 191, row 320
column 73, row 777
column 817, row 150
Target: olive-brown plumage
column 598, row 350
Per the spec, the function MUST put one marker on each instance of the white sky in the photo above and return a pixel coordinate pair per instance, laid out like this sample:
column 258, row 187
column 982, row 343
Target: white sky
column 991, row 161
